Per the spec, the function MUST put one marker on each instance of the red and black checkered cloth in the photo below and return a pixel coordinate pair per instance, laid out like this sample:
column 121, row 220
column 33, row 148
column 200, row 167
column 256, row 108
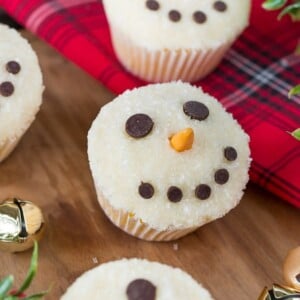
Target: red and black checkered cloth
column 252, row 82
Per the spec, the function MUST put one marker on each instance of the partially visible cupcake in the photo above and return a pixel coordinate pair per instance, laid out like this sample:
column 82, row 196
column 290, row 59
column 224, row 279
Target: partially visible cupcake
column 167, row 159
column 135, row 279
column 21, row 88
column 162, row 40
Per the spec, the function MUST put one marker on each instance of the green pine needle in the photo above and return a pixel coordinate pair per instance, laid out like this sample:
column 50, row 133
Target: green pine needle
column 31, row 272
column 297, row 51
column 5, row 286
column 293, row 10
column 294, row 91
column 295, row 134
column 7, row 282
column 273, row 4
column 36, row 296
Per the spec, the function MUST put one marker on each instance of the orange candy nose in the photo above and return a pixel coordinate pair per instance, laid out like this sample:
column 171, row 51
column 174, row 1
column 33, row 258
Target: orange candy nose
column 182, row 140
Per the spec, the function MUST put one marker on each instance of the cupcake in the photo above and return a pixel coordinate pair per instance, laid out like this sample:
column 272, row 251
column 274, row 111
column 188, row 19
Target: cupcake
column 166, row 159
column 21, row 88
column 162, row 40
column 135, row 279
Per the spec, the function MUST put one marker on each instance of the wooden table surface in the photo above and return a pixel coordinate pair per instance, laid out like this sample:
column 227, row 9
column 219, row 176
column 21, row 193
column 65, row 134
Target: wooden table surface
column 234, row 257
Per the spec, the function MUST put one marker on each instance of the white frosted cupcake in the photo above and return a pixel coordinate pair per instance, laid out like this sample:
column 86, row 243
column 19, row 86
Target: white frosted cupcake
column 162, row 40
column 21, row 88
column 166, row 159
column 135, row 279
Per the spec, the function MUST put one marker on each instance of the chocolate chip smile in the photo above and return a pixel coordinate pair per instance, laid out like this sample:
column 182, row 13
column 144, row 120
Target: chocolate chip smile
column 198, row 16
column 6, row 89
column 13, row 67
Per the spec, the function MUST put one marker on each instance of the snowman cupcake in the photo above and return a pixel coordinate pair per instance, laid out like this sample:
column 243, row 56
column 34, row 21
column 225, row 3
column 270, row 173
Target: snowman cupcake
column 166, row 159
column 135, row 279
column 162, row 40
column 21, row 88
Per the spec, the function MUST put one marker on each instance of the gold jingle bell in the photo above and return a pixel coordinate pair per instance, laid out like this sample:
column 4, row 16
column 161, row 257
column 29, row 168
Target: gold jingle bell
column 291, row 269
column 21, row 223
column 291, row 274
column 279, row 292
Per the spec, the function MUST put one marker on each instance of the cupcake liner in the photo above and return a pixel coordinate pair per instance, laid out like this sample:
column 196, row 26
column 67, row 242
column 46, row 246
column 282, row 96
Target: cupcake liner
column 136, row 227
column 166, row 65
column 8, row 147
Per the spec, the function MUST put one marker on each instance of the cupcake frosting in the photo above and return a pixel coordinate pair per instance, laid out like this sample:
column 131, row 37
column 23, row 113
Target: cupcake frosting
column 136, row 279
column 20, row 85
column 179, row 24
column 140, row 165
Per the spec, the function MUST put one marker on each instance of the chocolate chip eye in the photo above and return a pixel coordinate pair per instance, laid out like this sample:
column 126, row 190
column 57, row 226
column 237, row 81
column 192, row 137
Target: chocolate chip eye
column 174, row 194
column 139, row 125
column 196, row 110
column 141, row 289
column 221, row 176
column 174, row 15
column 199, row 17
column 146, row 190
column 152, row 5
column 220, row 6
column 230, row 153
column 13, row 67
column 6, row 89
column 203, row 191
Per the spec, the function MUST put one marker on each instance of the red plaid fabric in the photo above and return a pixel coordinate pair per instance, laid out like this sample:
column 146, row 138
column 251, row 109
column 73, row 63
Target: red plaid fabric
column 252, row 82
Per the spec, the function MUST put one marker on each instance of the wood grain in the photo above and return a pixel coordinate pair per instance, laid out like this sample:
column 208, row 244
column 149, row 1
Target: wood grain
column 234, row 257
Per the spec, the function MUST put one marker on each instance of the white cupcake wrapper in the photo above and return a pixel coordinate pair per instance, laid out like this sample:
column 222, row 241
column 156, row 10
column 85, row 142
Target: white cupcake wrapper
column 136, row 227
column 166, row 65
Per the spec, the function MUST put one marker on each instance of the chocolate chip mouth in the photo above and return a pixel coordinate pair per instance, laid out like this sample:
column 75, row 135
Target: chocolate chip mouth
column 174, row 194
column 6, row 89
column 174, row 15
column 146, row 190
column 220, row 6
column 221, row 176
column 230, row 153
column 152, row 5
column 202, row 191
column 198, row 16
column 13, row 67
column 141, row 289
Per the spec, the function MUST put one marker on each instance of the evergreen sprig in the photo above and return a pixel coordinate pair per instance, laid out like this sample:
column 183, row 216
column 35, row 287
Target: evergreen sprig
column 6, row 293
column 291, row 8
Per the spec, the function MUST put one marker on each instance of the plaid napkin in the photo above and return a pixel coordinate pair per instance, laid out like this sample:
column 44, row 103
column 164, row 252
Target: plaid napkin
column 252, row 82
